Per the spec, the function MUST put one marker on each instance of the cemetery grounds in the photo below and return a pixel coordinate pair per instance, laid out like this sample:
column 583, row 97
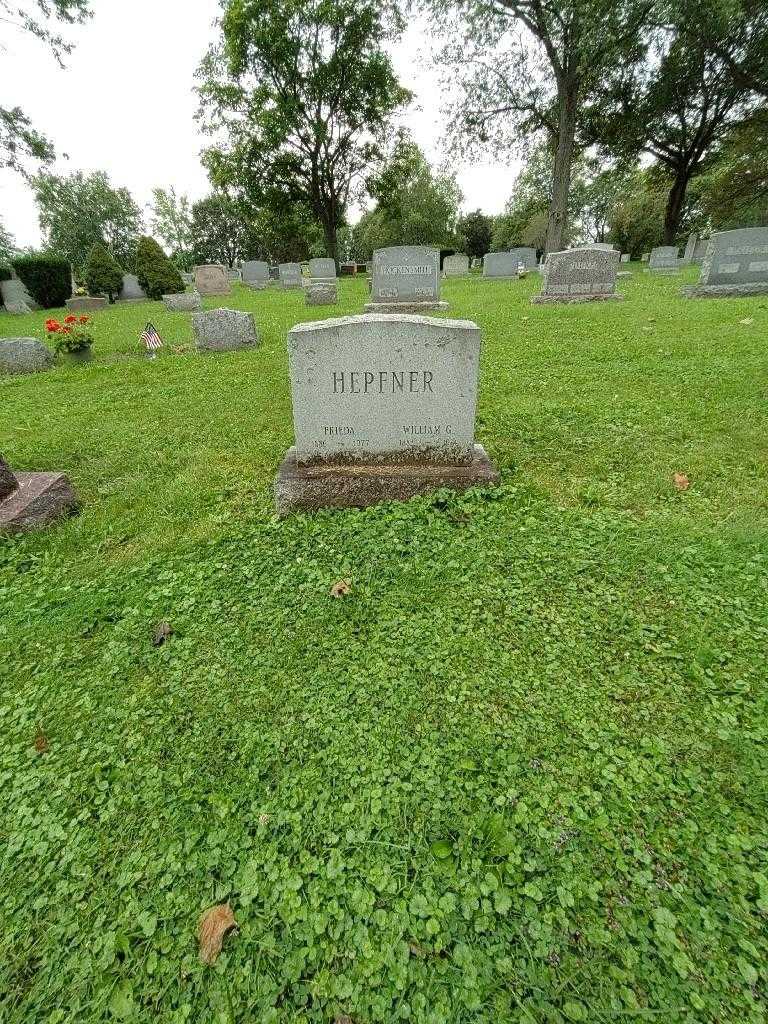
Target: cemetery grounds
column 518, row 773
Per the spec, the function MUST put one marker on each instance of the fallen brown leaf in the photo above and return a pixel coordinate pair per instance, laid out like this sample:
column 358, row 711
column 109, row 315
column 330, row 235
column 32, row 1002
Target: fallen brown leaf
column 341, row 589
column 214, row 925
column 681, row 481
column 41, row 742
column 162, row 631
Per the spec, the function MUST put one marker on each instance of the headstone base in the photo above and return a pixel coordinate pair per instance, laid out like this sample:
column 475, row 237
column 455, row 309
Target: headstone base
column 308, row 488
column 86, row 303
column 40, row 499
column 403, row 307
column 724, row 291
column 554, row 300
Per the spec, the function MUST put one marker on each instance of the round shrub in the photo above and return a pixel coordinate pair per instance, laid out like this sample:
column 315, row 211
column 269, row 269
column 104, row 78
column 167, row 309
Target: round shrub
column 48, row 279
column 103, row 274
column 156, row 274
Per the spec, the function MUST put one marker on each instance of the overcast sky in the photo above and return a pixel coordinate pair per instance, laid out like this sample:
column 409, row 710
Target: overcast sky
column 125, row 104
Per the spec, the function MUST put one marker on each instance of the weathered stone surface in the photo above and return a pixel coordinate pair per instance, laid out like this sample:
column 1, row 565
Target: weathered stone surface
column 383, row 409
column 8, row 482
column 131, row 290
column 347, row 269
column 406, row 278
column 690, row 249
column 212, row 279
column 256, row 272
column 183, row 302
column 456, row 265
column 736, row 264
column 15, row 293
column 500, row 265
column 527, row 257
column 645, row 257
column 233, row 274
column 322, row 294
column 700, row 251
column 18, row 308
column 322, row 269
column 224, row 330
column 604, row 246
column 664, row 259
column 39, row 499
column 309, row 488
column 24, row 355
column 579, row 275
column 290, row 275
column 187, row 278
column 86, row 303
column 626, row 257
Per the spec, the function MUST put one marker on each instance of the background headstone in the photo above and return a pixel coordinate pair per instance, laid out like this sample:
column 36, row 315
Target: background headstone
column 131, row 290
column 290, row 275
column 15, row 293
column 224, row 330
column 212, row 279
column 500, row 265
column 183, row 302
column 322, row 293
column 322, row 269
column 256, row 273
column 24, row 355
column 736, row 264
column 86, row 303
column 579, row 275
column 664, row 259
column 32, row 500
column 456, row 265
column 626, row 257
column 405, row 278
column 690, row 249
column 383, row 409
column 700, row 251
column 526, row 256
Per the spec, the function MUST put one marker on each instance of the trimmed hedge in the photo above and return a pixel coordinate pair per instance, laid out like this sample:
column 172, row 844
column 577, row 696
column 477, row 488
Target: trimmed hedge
column 48, row 279
column 156, row 274
column 103, row 275
column 5, row 274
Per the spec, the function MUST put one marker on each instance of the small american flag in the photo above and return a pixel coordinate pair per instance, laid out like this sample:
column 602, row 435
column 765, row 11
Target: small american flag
column 151, row 338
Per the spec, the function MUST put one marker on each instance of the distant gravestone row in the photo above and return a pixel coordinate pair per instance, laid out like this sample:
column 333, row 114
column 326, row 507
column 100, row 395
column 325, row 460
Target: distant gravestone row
column 290, row 275
column 456, row 265
column 405, row 279
column 664, row 259
column 579, row 275
column 506, row 265
column 212, row 279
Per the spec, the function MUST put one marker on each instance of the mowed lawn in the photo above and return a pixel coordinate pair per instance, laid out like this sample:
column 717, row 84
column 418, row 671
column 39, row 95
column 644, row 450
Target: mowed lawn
column 519, row 773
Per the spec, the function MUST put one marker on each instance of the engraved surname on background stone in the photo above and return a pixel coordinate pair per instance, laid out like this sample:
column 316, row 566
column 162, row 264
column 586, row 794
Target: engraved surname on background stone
column 747, row 250
column 761, row 266
column 404, row 268
column 729, row 268
column 382, row 382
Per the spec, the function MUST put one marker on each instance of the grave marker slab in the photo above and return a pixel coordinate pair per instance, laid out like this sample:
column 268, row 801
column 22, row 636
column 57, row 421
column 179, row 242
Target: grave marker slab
column 322, row 293
column 183, row 302
column 405, row 279
column 14, row 293
column 323, row 269
column 579, row 275
column 256, row 274
column 224, row 330
column 700, row 251
column 736, row 264
column 86, row 303
column 500, row 266
column 456, row 265
column 32, row 500
column 664, row 259
column 383, row 409
column 626, row 257
column 24, row 355
column 690, row 249
column 131, row 290
column 290, row 275
column 212, row 279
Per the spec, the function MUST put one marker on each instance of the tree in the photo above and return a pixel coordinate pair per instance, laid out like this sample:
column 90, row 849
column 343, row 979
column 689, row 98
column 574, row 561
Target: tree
column 637, row 219
column 678, row 109
column 527, row 68
column 733, row 192
column 300, row 89
column 414, row 206
column 598, row 197
column 103, row 275
column 172, row 221
column 19, row 140
column 7, row 246
column 475, row 229
column 156, row 274
column 76, row 211
column 220, row 230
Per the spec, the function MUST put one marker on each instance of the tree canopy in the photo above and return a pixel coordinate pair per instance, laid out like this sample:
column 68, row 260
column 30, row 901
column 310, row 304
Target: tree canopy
column 297, row 94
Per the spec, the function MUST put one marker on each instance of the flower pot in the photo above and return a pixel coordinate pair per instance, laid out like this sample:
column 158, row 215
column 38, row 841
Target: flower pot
column 80, row 355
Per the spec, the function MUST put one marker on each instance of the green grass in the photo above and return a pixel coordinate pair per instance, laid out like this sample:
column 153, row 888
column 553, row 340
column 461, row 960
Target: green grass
column 518, row 774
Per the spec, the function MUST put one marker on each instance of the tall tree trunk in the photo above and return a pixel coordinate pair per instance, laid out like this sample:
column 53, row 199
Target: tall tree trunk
column 675, row 201
column 331, row 241
column 557, row 222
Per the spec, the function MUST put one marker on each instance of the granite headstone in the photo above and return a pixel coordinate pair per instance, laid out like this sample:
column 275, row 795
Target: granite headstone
column 736, row 264
column 405, row 279
column 322, row 269
column 24, row 355
column 500, row 265
column 29, row 501
column 224, row 330
column 322, row 293
column 290, row 275
column 456, row 265
column 579, row 275
column 664, row 259
column 131, row 290
column 256, row 274
column 383, row 409
column 212, row 279
column 183, row 302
